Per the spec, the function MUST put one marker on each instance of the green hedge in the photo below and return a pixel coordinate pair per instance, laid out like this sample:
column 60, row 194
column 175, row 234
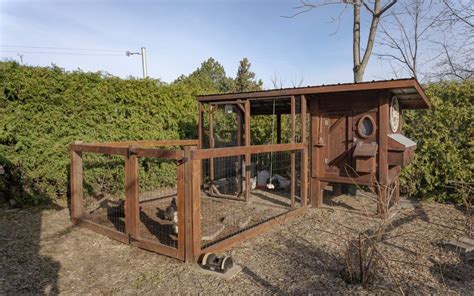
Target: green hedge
column 445, row 138
column 42, row 110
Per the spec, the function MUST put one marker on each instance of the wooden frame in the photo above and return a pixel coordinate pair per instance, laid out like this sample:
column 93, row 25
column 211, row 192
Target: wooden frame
column 234, row 151
column 189, row 174
column 198, row 155
column 132, row 208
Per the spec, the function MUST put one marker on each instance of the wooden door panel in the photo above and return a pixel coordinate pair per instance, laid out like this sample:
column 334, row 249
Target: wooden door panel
column 338, row 149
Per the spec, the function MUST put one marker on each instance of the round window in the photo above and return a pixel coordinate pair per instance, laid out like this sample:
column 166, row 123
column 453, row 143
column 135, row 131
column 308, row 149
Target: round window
column 366, row 126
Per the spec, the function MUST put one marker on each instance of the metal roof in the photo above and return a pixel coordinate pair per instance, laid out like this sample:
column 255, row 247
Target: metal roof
column 402, row 140
column 409, row 92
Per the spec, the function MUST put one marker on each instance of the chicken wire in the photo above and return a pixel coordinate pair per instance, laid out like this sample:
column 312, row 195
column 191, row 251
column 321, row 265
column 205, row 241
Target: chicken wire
column 103, row 186
column 228, row 213
column 158, row 201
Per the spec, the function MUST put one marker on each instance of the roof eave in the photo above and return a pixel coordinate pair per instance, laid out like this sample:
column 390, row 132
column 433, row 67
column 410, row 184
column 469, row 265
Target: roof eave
column 334, row 88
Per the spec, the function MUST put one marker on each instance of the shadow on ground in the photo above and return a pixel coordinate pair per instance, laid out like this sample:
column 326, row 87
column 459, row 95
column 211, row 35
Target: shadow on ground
column 23, row 270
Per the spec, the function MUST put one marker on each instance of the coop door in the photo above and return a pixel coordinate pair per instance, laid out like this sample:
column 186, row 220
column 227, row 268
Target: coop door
column 338, row 138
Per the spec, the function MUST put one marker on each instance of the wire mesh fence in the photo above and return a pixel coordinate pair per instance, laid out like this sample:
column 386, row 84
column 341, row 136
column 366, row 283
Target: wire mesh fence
column 154, row 197
column 104, row 194
column 226, row 209
column 158, row 201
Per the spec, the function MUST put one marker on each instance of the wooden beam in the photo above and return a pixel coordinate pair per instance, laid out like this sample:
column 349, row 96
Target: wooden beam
column 366, row 179
column 334, row 88
column 383, row 152
column 156, row 247
column 157, row 153
column 145, row 143
column 316, row 155
column 192, row 204
column 239, row 161
column 99, row 148
column 76, row 183
column 278, row 128
column 253, row 232
column 247, row 155
column 241, row 106
column 188, row 207
column 200, row 125
column 293, row 156
column 304, row 156
column 132, row 207
column 181, row 201
column 104, row 230
column 195, row 170
column 234, row 151
column 211, row 142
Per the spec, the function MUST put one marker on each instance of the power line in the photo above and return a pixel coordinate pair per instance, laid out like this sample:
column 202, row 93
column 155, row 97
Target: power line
column 63, row 48
column 66, row 53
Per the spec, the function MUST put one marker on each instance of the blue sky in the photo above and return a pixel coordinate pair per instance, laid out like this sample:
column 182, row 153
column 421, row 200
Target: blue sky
column 179, row 35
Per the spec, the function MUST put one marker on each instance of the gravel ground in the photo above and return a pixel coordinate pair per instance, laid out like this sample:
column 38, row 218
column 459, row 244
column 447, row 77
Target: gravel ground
column 40, row 253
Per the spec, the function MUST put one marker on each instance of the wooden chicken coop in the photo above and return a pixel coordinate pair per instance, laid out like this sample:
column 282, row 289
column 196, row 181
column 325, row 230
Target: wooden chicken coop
column 355, row 129
column 260, row 159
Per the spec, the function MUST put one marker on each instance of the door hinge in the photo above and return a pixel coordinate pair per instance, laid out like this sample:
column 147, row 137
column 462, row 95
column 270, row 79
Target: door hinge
column 326, row 161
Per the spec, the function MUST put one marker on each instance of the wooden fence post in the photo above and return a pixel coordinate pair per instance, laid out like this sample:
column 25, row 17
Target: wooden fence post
column 382, row 155
column 192, row 206
column 304, row 156
column 181, row 200
column 132, row 207
column 248, row 159
column 292, row 155
column 316, row 154
column 77, row 191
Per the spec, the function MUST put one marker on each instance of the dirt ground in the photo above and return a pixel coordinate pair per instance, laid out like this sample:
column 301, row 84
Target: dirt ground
column 41, row 253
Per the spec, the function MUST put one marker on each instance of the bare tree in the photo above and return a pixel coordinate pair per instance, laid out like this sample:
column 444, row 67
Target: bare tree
column 297, row 82
column 375, row 8
column 276, row 80
column 457, row 25
column 427, row 38
column 405, row 37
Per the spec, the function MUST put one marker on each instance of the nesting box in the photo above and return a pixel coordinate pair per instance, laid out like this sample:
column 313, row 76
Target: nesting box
column 365, row 157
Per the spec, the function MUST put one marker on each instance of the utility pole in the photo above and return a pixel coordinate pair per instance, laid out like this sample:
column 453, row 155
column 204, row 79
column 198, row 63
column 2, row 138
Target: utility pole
column 145, row 74
column 143, row 54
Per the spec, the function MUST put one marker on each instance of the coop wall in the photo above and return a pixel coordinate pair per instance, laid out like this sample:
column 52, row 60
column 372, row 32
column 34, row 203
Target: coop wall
column 335, row 131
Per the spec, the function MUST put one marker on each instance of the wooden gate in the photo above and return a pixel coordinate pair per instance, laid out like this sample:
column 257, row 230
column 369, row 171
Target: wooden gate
column 138, row 216
column 338, row 135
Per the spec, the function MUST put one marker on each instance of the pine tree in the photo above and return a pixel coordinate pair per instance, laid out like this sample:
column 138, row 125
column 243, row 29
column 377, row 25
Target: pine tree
column 210, row 77
column 245, row 80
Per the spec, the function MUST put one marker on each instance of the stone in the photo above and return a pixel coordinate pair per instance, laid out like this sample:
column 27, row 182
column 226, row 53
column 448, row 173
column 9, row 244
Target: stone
column 227, row 275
